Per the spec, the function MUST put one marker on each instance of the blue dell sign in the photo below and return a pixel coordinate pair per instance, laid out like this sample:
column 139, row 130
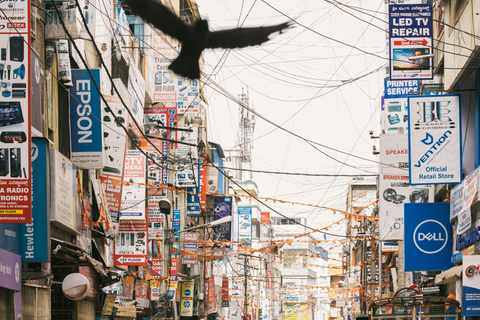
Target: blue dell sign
column 428, row 237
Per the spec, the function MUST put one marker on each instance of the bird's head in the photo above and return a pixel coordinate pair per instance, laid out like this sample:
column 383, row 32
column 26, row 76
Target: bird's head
column 201, row 26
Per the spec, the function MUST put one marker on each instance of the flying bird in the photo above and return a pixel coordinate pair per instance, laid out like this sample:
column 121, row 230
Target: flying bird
column 196, row 37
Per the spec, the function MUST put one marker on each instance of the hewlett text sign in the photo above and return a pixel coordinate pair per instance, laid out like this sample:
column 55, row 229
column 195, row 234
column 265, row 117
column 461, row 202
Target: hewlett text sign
column 434, row 139
column 428, row 236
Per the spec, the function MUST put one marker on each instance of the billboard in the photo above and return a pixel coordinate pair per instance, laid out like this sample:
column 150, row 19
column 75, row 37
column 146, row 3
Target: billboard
column 245, row 226
column 86, row 132
column 394, row 187
column 434, row 139
column 428, row 237
column 15, row 113
column 410, row 41
column 190, row 242
column 186, row 303
column 163, row 81
column 133, row 196
column 156, row 220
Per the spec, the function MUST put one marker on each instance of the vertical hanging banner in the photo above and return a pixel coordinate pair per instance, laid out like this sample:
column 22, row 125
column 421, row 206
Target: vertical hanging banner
column 193, row 204
column 471, row 285
column 133, row 196
column 190, row 243
column 434, row 139
column 225, row 295
column 86, row 132
column 186, row 307
column 211, row 296
column 411, row 34
column 245, row 226
column 115, row 140
column 15, row 128
column 222, row 207
column 394, row 114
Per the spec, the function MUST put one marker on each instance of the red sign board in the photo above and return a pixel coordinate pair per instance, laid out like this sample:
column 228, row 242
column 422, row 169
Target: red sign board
column 225, row 296
column 174, row 267
column 211, row 296
column 131, row 243
column 265, row 217
column 156, row 267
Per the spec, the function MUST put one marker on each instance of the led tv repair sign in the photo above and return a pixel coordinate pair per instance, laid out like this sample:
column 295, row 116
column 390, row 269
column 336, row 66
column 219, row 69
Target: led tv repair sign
column 428, row 237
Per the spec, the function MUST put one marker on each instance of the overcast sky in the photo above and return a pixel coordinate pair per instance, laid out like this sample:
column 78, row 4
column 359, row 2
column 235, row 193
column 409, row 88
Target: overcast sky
column 321, row 80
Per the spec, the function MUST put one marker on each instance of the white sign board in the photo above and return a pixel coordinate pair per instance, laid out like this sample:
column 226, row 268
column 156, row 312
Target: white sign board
column 434, row 139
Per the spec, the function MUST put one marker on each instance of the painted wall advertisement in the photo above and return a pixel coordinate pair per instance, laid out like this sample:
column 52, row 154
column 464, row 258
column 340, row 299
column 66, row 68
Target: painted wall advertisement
column 411, row 34
column 428, row 236
column 133, row 196
column 471, row 286
column 222, row 207
column 15, row 115
column 395, row 190
column 435, row 144
column 186, row 303
column 131, row 243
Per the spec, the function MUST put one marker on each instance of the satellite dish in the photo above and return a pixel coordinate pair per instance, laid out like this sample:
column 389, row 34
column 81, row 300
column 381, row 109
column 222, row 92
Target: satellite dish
column 75, row 286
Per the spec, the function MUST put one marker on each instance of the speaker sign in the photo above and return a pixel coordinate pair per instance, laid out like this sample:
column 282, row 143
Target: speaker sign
column 15, row 128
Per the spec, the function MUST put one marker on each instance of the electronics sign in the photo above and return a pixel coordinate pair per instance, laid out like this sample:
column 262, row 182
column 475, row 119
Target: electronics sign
column 15, row 128
column 411, row 33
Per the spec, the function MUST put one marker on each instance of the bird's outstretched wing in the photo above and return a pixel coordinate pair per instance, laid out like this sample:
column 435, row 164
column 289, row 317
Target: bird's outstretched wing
column 242, row 37
column 152, row 11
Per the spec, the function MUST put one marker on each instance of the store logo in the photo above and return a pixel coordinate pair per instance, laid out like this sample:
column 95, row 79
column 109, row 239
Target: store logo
column 430, row 236
column 470, row 271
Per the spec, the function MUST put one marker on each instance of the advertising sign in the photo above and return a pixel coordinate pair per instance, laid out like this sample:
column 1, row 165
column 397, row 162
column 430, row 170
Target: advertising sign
column 471, row 285
column 15, row 113
column 202, row 185
column 64, row 200
column 394, row 187
column 222, row 207
column 211, row 296
column 9, row 237
column 395, row 89
column 434, row 140
column 297, row 311
column 35, row 236
column 428, row 236
column 86, row 133
column 133, row 196
column 188, row 99
column 265, row 217
column 212, row 178
column 156, row 219
column 10, row 270
column 156, row 267
column 156, row 166
column 174, row 267
column 245, row 226
column 461, row 198
column 193, row 205
column 186, row 302
column 163, row 81
column 190, row 242
column 411, row 34
column 225, row 295
column 131, row 243
column 91, row 275
column 115, row 140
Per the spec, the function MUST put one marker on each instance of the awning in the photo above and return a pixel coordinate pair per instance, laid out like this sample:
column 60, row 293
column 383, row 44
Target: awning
column 445, row 276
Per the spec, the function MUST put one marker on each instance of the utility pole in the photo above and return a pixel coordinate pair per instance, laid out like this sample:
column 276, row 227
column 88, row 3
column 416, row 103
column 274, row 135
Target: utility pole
column 245, row 286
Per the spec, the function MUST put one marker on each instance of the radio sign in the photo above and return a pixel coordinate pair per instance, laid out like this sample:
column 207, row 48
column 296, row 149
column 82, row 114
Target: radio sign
column 85, row 120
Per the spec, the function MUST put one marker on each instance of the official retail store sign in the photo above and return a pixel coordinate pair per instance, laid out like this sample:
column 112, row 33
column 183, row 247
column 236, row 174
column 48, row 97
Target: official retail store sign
column 434, row 139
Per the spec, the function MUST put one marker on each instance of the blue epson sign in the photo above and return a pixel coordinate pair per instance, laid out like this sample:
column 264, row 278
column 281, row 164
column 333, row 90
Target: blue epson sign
column 428, row 236
column 35, row 236
column 86, row 120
